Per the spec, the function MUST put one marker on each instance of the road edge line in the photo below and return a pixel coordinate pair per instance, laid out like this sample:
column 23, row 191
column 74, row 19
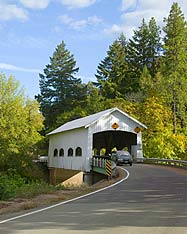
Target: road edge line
column 68, row 201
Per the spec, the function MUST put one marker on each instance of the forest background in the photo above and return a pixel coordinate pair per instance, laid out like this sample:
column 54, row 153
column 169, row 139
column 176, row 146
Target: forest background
column 145, row 76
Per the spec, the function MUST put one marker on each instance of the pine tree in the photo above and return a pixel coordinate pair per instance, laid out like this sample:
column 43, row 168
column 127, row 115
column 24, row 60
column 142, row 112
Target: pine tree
column 144, row 48
column 150, row 86
column 175, row 65
column 60, row 90
column 94, row 101
column 137, row 53
column 111, row 72
column 154, row 48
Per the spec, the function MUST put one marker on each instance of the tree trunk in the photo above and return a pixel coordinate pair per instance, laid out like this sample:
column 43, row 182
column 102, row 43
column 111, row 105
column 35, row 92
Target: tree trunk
column 174, row 112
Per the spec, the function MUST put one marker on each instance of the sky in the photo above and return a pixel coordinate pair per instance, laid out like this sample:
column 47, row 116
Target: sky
column 30, row 31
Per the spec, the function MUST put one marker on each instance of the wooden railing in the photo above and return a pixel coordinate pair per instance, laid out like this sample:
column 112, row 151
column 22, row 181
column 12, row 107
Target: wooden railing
column 103, row 165
column 99, row 161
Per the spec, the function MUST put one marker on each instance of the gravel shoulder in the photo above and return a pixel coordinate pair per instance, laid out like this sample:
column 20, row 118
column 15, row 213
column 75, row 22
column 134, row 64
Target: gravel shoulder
column 20, row 204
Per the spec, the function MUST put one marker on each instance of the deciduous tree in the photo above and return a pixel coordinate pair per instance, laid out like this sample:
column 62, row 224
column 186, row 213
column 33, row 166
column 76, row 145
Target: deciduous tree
column 20, row 121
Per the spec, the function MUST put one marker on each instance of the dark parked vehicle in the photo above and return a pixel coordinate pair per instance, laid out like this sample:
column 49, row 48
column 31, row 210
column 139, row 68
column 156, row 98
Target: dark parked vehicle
column 124, row 157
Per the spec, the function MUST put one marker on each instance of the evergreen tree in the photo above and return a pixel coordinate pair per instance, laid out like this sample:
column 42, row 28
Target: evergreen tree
column 137, row 53
column 175, row 66
column 144, row 48
column 94, row 101
column 60, row 90
column 150, row 86
column 154, row 48
column 93, row 104
column 112, row 71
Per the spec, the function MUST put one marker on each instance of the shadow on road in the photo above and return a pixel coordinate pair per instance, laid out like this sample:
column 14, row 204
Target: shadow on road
column 151, row 197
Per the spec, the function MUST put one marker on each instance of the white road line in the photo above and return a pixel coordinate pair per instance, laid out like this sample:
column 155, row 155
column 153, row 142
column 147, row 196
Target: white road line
column 65, row 202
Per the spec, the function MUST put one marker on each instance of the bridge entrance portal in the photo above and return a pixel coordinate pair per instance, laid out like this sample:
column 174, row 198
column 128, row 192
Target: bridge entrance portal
column 114, row 139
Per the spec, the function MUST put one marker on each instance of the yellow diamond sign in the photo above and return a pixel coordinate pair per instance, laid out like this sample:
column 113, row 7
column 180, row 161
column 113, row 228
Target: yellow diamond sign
column 115, row 126
column 137, row 129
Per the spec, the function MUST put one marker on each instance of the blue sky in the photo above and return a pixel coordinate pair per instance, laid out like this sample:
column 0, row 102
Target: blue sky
column 30, row 30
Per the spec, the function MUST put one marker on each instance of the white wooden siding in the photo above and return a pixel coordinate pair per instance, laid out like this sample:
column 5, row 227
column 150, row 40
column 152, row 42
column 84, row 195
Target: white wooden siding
column 105, row 123
column 70, row 139
column 81, row 135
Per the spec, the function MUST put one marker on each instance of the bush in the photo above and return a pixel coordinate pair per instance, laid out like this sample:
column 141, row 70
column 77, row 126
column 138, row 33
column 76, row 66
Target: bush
column 9, row 184
column 14, row 185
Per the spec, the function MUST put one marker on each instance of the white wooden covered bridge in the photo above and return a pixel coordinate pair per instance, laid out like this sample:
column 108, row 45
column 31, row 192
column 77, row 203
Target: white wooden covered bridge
column 72, row 145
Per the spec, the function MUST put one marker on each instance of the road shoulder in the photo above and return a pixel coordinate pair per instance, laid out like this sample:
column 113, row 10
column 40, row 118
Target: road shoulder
column 20, row 204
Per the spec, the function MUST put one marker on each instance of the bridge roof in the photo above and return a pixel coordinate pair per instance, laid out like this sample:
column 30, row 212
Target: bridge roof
column 89, row 120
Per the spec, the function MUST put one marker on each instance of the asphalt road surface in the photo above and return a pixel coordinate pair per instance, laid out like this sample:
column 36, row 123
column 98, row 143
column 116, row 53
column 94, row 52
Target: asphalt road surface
column 152, row 200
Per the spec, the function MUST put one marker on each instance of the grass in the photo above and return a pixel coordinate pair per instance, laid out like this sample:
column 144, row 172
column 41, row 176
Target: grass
column 34, row 188
column 41, row 194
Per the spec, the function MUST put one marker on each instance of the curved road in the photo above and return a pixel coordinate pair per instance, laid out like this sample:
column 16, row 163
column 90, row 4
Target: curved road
column 152, row 200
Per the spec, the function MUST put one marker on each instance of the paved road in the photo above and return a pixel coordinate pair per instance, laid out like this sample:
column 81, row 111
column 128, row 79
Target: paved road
column 152, row 200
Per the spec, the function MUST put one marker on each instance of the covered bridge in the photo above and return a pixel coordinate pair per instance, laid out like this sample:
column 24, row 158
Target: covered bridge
column 72, row 145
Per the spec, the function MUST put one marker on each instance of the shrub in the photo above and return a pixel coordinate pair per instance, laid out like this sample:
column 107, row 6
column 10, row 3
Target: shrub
column 9, row 184
column 14, row 185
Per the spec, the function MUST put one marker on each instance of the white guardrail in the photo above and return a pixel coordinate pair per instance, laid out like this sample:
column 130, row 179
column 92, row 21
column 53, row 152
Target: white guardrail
column 178, row 163
column 101, row 162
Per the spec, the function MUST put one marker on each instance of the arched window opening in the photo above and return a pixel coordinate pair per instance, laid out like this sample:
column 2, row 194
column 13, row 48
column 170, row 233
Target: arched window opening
column 55, row 153
column 78, row 152
column 70, row 152
column 61, row 152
